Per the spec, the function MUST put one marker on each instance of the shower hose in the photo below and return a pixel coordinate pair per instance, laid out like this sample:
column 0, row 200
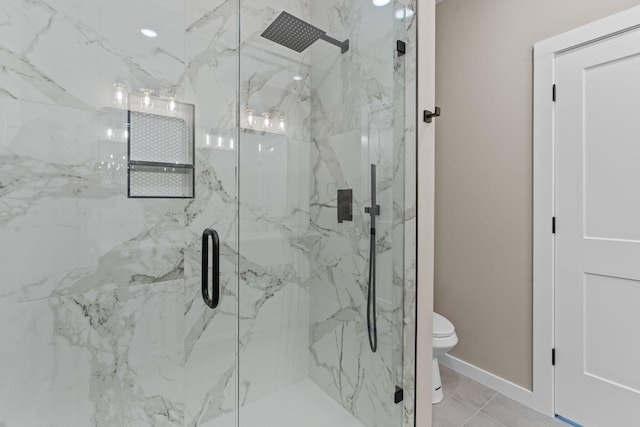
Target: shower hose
column 372, row 316
column 372, row 321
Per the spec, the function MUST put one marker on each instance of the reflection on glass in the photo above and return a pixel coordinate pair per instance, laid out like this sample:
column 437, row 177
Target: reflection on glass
column 265, row 178
column 404, row 13
column 120, row 97
column 171, row 106
column 146, row 101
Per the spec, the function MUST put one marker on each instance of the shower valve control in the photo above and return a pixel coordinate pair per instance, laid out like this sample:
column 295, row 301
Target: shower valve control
column 345, row 205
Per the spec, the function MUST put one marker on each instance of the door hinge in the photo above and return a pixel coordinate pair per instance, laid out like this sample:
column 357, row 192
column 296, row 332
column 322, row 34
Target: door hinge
column 553, row 357
column 401, row 47
column 398, row 395
column 554, row 93
column 553, row 225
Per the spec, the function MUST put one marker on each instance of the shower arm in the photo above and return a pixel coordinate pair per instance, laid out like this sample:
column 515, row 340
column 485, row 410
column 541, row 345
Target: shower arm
column 344, row 46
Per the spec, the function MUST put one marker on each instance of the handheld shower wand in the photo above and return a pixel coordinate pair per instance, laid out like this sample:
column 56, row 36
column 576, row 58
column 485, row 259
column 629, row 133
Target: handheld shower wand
column 372, row 316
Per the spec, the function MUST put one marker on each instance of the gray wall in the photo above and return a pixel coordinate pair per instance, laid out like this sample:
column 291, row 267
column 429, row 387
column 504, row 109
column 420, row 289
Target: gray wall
column 483, row 273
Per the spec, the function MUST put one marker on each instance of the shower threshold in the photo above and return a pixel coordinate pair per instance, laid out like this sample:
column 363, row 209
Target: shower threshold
column 302, row 404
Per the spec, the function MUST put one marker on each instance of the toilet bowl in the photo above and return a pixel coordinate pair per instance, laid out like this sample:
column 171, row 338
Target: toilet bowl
column 444, row 339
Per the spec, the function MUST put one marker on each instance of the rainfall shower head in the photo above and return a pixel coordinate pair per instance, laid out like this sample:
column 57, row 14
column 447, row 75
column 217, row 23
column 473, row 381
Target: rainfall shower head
column 296, row 34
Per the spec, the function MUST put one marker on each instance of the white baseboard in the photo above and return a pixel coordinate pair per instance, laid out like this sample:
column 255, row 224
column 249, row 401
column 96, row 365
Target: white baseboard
column 502, row 386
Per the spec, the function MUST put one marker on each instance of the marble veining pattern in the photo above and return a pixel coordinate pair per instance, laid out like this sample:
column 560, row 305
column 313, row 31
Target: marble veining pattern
column 410, row 220
column 105, row 287
column 103, row 291
column 354, row 126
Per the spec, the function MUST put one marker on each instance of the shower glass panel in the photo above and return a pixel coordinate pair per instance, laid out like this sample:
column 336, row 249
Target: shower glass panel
column 321, row 101
column 102, row 322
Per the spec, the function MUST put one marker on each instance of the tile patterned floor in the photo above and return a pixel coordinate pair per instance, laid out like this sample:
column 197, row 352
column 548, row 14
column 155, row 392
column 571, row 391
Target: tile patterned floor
column 470, row 404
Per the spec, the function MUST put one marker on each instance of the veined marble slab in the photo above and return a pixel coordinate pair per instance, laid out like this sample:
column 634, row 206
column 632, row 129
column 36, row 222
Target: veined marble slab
column 102, row 318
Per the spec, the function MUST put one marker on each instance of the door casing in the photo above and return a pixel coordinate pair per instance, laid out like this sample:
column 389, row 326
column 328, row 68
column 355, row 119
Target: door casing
column 544, row 143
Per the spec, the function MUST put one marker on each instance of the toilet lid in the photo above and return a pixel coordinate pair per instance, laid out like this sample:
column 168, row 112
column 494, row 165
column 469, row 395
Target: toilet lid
column 442, row 327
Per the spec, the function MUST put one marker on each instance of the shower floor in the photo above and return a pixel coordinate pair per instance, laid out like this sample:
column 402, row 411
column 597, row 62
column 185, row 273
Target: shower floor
column 303, row 404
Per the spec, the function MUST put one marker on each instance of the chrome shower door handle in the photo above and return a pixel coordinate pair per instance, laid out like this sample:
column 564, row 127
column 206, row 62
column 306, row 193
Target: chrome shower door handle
column 211, row 300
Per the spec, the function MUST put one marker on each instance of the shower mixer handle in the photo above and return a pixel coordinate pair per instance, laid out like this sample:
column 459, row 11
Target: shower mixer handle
column 211, row 300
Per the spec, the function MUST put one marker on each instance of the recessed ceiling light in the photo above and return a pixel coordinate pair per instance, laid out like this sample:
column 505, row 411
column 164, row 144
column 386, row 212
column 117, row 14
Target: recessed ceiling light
column 381, row 2
column 297, row 78
column 149, row 33
column 404, row 13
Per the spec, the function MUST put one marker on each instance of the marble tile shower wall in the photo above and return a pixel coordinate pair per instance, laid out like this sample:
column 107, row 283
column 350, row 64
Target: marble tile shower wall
column 358, row 120
column 274, row 205
column 101, row 320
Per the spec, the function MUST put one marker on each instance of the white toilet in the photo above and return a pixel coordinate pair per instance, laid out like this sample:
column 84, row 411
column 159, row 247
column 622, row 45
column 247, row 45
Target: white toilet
column 444, row 339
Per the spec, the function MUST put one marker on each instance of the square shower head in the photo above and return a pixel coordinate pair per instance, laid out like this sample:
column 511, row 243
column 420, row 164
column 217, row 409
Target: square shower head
column 292, row 32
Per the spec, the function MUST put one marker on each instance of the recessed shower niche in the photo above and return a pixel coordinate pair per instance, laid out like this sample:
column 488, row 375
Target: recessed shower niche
column 160, row 147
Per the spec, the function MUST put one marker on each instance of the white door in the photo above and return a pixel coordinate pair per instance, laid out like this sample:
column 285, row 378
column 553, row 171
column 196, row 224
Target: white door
column 598, row 233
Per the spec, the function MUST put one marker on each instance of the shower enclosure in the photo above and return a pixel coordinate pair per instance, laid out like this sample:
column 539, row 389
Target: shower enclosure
column 173, row 247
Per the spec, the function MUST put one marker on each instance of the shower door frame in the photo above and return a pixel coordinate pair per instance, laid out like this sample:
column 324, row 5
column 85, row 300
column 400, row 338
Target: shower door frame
column 425, row 230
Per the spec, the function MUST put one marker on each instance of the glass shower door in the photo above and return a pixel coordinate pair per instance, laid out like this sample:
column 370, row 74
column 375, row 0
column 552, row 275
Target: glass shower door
column 321, row 102
column 102, row 321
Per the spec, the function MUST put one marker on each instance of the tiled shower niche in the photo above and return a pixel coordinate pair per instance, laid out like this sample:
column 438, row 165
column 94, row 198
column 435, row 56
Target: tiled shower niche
column 160, row 147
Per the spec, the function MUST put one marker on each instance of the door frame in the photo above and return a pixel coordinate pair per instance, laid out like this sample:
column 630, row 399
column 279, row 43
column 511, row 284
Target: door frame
column 544, row 190
column 425, row 164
